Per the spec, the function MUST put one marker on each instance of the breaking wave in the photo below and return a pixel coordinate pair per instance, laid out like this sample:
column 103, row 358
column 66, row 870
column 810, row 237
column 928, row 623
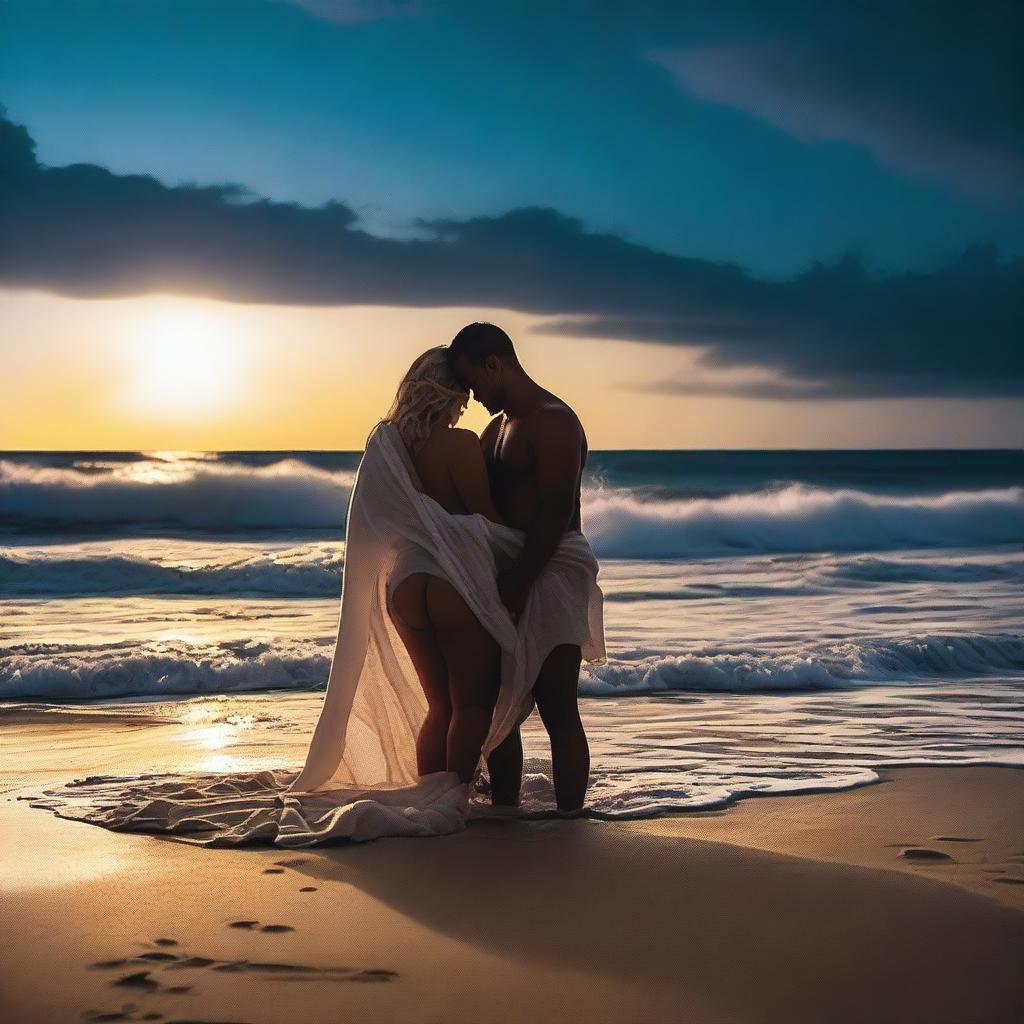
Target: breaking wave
column 84, row 672
column 191, row 493
column 309, row 571
column 620, row 522
column 821, row 667
column 800, row 518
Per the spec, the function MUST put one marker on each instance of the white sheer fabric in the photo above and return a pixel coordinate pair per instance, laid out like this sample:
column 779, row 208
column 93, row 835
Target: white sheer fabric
column 360, row 781
column 365, row 737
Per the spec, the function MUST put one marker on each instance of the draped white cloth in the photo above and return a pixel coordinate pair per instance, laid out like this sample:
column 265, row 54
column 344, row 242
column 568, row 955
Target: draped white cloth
column 360, row 780
column 365, row 739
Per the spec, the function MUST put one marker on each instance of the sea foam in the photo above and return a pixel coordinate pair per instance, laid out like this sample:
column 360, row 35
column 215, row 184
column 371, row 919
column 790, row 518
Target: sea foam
column 193, row 493
column 800, row 518
column 620, row 522
column 84, row 672
column 309, row 571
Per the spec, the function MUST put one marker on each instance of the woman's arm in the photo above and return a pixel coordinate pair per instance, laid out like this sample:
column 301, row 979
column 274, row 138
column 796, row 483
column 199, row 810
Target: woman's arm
column 469, row 475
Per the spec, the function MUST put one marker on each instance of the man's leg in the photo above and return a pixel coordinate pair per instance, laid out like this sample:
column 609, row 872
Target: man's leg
column 505, row 767
column 556, row 695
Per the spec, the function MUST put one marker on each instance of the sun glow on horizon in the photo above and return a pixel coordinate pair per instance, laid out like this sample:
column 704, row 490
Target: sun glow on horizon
column 186, row 363
column 171, row 373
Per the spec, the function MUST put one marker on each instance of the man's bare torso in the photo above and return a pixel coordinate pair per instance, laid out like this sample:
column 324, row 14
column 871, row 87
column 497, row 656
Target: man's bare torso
column 510, row 445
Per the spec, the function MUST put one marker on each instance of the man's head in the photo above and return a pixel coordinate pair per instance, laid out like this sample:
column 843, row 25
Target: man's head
column 482, row 357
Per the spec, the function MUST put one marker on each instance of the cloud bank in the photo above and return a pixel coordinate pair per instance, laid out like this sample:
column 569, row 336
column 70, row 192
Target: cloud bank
column 930, row 90
column 832, row 332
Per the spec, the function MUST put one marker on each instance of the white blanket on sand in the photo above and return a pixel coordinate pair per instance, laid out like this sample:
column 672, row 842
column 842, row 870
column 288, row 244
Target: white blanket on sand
column 360, row 780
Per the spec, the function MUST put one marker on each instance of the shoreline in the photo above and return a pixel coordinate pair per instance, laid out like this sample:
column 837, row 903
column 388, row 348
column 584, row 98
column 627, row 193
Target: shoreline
column 802, row 897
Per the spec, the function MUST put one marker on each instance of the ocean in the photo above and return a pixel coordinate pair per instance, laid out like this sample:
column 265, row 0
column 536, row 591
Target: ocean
column 776, row 621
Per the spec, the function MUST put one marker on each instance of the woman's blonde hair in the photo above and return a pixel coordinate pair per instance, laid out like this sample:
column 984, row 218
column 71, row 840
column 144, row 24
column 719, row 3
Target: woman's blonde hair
column 428, row 392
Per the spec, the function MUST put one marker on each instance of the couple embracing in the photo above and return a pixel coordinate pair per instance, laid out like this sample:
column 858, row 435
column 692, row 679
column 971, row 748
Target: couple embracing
column 469, row 595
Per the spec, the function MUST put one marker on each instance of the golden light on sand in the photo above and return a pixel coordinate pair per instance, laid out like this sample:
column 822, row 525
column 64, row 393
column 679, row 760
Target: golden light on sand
column 185, row 363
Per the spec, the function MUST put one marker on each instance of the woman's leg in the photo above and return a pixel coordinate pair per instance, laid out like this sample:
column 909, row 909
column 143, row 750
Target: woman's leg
column 409, row 614
column 474, row 661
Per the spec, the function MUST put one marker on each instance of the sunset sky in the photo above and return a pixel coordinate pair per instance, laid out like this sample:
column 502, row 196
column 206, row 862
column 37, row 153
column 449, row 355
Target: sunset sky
column 234, row 223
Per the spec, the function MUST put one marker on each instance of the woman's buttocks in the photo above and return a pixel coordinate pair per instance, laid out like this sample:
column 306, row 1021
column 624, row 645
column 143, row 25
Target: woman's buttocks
column 411, row 559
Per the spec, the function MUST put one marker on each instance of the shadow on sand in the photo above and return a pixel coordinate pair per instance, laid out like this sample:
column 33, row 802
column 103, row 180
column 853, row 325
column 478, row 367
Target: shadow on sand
column 760, row 936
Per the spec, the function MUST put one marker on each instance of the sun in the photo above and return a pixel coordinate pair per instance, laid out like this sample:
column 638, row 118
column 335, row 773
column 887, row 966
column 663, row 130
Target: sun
column 185, row 362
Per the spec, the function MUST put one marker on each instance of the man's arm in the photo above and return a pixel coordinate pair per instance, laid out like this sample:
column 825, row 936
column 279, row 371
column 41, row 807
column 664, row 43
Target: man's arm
column 557, row 469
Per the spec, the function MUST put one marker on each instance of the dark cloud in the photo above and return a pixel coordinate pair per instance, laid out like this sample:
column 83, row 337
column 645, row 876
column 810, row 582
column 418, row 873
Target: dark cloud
column 841, row 331
column 935, row 90
column 833, row 331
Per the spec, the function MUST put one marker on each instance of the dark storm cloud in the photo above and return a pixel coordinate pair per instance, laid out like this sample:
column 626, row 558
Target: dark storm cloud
column 842, row 332
column 834, row 331
column 935, row 90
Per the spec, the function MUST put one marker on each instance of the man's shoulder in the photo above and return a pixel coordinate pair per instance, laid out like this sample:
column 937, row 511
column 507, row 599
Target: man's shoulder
column 491, row 430
column 556, row 415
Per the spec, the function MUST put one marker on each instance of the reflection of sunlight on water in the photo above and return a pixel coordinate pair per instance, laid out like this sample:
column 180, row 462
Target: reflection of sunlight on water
column 217, row 731
column 211, row 737
column 214, row 735
column 213, row 711
column 182, row 633
column 182, row 455
column 223, row 763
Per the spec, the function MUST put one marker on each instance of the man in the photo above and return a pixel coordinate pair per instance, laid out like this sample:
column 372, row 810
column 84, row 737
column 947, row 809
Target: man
column 535, row 453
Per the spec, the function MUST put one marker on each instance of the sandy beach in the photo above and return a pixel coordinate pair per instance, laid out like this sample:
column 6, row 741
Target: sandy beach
column 776, row 909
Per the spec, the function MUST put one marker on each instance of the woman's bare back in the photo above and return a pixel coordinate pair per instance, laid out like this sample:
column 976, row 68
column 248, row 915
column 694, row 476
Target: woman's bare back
column 451, row 467
column 434, row 463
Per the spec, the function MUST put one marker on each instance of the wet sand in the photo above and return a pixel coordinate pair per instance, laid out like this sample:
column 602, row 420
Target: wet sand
column 781, row 909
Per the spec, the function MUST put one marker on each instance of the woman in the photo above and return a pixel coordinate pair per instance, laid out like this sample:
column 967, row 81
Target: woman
column 457, row 661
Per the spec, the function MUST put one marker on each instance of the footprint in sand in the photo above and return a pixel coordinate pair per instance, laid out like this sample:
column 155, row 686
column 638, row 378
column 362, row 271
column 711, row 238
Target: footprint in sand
column 923, row 853
column 251, row 925
column 308, row 888
column 128, row 1013
column 165, row 942
column 280, row 971
column 273, row 871
column 141, row 979
column 376, row 975
column 294, row 862
column 955, row 839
